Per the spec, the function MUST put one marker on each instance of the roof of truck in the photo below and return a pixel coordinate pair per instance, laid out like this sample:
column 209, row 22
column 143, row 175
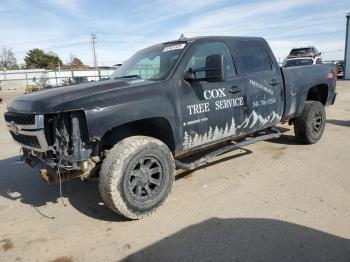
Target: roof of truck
column 192, row 39
column 304, row 47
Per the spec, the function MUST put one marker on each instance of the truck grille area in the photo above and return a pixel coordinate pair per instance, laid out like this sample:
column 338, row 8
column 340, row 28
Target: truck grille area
column 31, row 141
column 20, row 119
column 28, row 130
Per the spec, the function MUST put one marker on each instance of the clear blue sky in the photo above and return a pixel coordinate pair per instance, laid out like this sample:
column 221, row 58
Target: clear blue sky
column 123, row 27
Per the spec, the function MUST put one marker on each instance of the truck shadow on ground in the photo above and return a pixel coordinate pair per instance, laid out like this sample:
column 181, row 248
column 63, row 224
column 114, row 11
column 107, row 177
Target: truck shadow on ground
column 247, row 239
column 186, row 173
column 285, row 139
column 19, row 182
column 339, row 122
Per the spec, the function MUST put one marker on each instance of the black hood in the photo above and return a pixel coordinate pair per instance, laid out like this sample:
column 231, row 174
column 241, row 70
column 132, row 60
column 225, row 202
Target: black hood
column 74, row 97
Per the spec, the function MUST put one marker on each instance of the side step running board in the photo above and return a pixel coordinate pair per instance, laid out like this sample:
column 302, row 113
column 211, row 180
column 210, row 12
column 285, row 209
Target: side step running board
column 203, row 160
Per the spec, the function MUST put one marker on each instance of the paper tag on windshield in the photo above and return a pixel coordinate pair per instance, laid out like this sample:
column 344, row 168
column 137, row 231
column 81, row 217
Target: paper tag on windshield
column 173, row 47
column 136, row 81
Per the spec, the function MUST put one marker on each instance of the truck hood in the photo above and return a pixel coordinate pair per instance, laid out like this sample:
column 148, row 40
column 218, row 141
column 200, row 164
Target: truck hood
column 75, row 97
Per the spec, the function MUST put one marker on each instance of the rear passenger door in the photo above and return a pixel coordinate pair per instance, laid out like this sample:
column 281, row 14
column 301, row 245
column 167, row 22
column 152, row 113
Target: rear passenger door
column 263, row 85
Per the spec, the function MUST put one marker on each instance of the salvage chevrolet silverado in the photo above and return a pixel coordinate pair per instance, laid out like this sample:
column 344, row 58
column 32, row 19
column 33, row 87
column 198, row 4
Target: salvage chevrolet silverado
column 168, row 101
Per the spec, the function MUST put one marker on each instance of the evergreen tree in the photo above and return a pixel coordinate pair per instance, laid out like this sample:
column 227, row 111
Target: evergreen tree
column 37, row 58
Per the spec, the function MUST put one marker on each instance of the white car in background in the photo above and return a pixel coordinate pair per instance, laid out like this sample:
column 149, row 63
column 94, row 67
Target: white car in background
column 302, row 61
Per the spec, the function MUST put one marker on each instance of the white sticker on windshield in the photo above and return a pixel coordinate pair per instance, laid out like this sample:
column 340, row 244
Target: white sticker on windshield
column 173, row 47
column 136, row 81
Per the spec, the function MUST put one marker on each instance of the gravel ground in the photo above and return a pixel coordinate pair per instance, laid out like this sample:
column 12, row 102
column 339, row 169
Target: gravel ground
column 274, row 201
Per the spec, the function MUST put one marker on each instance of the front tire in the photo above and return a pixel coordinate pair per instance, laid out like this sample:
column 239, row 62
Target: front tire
column 136, row 176
column 310, row 125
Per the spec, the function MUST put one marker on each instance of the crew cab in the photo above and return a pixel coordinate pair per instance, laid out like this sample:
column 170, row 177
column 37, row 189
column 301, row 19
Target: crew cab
column 166, row 102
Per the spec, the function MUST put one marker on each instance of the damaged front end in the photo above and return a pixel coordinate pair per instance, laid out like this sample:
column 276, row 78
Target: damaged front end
column 57, row 142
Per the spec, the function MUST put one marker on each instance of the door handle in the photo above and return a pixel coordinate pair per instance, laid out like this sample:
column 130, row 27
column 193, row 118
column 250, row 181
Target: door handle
column 235, row 89
column 274, row 82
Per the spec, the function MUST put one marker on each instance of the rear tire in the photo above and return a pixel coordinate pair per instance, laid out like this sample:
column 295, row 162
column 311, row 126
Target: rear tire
column 310, row 125
column 136, row 176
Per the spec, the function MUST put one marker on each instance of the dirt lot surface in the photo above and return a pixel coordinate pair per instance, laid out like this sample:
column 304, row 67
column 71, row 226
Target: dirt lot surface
column 275, row 201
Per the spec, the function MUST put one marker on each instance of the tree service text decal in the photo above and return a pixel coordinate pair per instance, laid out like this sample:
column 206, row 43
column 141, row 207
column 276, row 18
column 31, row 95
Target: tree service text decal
column 218, row 105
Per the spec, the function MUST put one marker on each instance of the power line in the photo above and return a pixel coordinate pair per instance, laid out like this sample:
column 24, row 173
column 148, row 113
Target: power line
column 108, row 44
column 67, row 45
column 223, row 31
column 304, row 34
column 57, row 39
column 111, row 44
column 164, row 34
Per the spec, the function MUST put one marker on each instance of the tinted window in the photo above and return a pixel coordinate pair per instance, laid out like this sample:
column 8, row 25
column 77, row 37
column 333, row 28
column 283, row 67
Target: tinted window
column 253, row 57
column 301, row 51
column 200, row 54
column 298, row 62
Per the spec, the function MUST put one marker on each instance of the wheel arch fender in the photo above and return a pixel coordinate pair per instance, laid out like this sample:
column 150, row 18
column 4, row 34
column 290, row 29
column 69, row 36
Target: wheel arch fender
column 157, row 126
column 317, row 92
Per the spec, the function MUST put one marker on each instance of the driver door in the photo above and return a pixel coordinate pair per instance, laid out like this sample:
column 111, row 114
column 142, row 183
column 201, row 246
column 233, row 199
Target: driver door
column 208, row 108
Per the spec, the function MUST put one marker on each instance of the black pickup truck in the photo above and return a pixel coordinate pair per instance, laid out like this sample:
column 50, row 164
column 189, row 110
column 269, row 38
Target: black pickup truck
column 166, row 102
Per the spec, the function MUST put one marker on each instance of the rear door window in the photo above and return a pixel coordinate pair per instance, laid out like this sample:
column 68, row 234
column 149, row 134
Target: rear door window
column 253, row 57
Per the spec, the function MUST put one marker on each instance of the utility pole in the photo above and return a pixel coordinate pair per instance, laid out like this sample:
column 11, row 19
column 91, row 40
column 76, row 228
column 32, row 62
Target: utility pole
column 94, row 57
column 347, row 49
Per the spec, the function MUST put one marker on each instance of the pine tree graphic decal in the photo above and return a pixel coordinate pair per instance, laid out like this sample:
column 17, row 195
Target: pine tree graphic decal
column 205, row 138
column 253, row 121
column 216, row 133
column 226, row 130
column 210, row 134
column 186, row 142
column 232, row 129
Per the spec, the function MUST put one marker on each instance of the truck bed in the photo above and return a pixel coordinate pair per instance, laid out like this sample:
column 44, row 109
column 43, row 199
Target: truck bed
column 298, row 81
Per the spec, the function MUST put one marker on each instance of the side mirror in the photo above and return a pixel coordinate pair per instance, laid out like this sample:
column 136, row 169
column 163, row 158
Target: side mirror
column 214, row 68
column 189, row 75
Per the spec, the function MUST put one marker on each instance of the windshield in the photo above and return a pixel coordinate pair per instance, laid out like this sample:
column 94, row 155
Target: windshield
column 153, row 63
column 298, row 62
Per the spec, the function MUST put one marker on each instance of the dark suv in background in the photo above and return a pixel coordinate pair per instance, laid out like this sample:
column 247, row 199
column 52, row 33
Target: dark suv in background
column 310, row 51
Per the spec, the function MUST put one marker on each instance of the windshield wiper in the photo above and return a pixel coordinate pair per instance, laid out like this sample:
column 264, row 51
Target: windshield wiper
column 128, row 76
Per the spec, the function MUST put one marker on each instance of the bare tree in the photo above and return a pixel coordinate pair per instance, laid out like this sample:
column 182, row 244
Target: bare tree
column 7, row 58
column 71, row 58
column 74, row 62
